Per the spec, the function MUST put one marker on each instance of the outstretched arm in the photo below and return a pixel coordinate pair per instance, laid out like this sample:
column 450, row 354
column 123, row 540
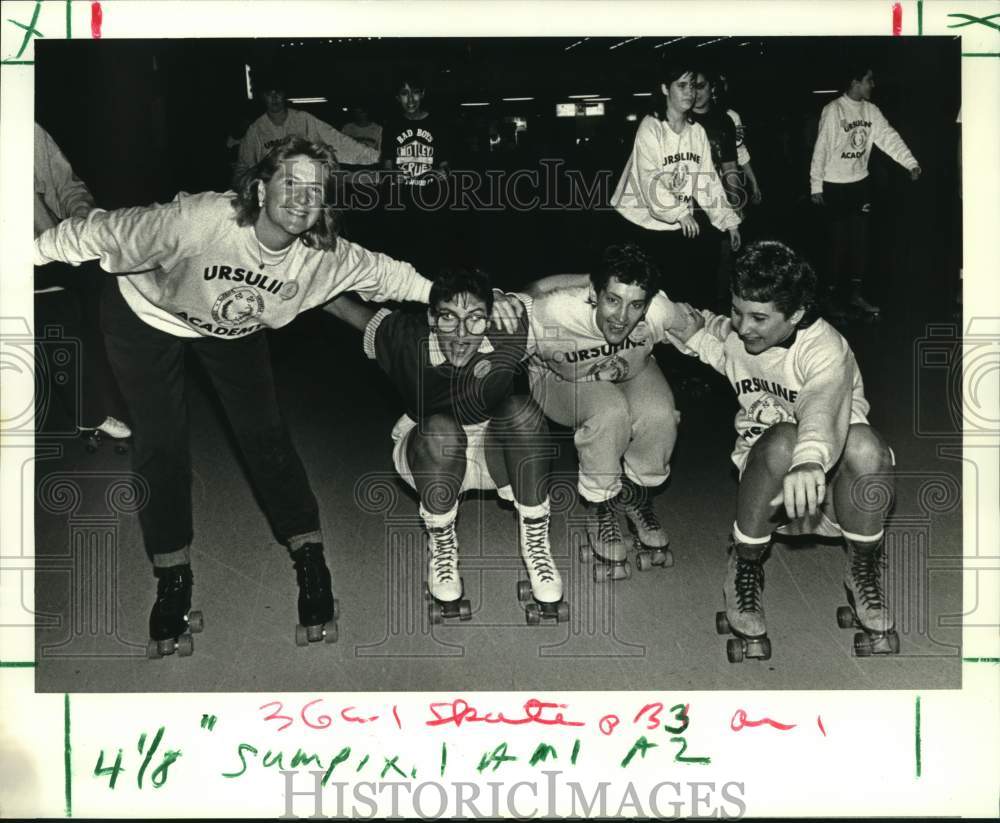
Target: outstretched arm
column 555, row 282
column 351, row 310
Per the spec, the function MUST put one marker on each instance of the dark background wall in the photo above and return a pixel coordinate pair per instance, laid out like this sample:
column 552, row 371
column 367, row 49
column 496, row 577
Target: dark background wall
column 141, row 120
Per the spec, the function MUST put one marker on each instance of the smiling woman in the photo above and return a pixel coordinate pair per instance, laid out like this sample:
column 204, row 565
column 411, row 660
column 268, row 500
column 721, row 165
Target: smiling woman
column 201, row 261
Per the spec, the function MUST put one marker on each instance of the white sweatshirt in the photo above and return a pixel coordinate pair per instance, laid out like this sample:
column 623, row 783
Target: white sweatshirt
column 567, row 344
column 666, row 173
column 263, row 135
column 195, row 272
column 814, row 383
column 847, row 129
column 59, row 193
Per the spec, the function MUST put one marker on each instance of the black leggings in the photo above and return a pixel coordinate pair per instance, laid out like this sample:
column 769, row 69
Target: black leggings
column 847, row 206
column 149, row 365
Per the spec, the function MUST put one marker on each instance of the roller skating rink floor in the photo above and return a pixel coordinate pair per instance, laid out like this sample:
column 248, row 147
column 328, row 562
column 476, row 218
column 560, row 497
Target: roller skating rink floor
column 654, row 631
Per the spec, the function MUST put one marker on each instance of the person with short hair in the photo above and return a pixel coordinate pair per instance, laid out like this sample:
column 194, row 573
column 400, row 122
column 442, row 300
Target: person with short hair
column 464, row 429
column 838, row 178
column 593, row 370
column 805, row 450
column 280, row 121
column 362, row 129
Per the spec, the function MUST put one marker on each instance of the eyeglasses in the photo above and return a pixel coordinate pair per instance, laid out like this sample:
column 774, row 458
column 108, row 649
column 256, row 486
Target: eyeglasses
column 448, row 323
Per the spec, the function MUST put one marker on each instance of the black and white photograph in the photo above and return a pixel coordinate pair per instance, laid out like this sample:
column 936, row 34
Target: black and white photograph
column 498, row 363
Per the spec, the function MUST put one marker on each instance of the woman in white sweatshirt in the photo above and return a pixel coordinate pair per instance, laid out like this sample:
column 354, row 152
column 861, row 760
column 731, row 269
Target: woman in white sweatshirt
column 838, row 177
column 669, row 173
column 209, row 272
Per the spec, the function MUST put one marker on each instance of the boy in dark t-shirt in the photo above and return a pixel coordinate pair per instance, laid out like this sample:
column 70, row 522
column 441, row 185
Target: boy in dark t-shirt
column 463, row 428
column 416, row 145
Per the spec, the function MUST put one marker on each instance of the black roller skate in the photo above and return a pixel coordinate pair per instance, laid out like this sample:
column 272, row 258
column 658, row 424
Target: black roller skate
column 318, row 610
column 444, row 587
column 652, row 546
column 541, row 594
column 171, row 622
column 744, row 614
column 607, row 550
column 867, row 609
column 111, row 430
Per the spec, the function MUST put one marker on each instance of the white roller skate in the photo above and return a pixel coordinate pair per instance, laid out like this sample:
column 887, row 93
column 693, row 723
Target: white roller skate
column 867, row 609
column 113, row 430
column 444, row 586
column 649, row 537
column 541, row 594
column 744, row 614
column 607, row 550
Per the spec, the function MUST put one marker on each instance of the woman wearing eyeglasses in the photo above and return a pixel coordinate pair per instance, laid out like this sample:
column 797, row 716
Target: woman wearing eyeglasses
column 464, row 429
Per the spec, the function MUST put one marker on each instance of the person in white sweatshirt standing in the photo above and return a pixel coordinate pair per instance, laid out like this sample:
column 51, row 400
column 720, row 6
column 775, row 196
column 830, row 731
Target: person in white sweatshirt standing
column 809, row 461
column 838, row 178
column 669, row 172
column 209, row 272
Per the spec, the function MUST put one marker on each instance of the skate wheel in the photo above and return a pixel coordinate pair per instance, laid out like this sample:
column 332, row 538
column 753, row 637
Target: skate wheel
column 153, row 650
column 643, row 561
column 336, row 610
column 523, row 591
column 91, row 446
column 734, row 650
column 562, row 612
column 893, row 639
column 862, row 645
column 464, row 610
column 623, row 572
column 121, row 448
column 330, row 633
column 185, row 645
column 845, row 617
column 196, row 622
column 301, row 636
column 721, row 623
column 664, row 558
column 583, row 554
column 314, row 633
column 532, row 614
column 435, row 613
column 760, row 648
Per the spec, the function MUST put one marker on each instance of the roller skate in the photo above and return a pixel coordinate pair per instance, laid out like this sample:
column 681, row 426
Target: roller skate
column 541, row 594
column 607, row 550
column 867, row 609
column 444, row 587
column 112, row 430
column 861, row 309
column 318, row 609
column 171, row 622
column 744, row 614
column 652, row 546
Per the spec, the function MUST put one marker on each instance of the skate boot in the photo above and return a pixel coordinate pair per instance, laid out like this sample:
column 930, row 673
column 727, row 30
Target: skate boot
column 861, row 307
column 171, row 621
column 744, row 614
column 318, row 610
column 444, row 586
column 541, row 594
column 607, row 550
column 111, row 429
column 867, row 610
column 650, row 540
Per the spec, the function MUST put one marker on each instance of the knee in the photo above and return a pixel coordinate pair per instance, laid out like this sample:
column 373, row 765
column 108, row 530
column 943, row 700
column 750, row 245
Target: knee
column 865, row 452
column 775, row 448
column 519, row 414
column 661, row 419
column 612, row 419
column 439, row 441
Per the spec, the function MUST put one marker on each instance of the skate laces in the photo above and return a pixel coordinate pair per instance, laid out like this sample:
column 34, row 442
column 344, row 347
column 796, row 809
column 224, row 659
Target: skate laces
column 444, row 552
column 608, row 528
column 643, row 509
column 749, row 582
column 537, row 549
column 172, row 581
column 866, row 571
column 309, row 570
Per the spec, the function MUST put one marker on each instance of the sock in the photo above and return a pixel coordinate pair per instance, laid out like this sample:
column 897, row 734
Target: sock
column 532, row 512
column 439, row 521
column 180, row 557
column 298, row 541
